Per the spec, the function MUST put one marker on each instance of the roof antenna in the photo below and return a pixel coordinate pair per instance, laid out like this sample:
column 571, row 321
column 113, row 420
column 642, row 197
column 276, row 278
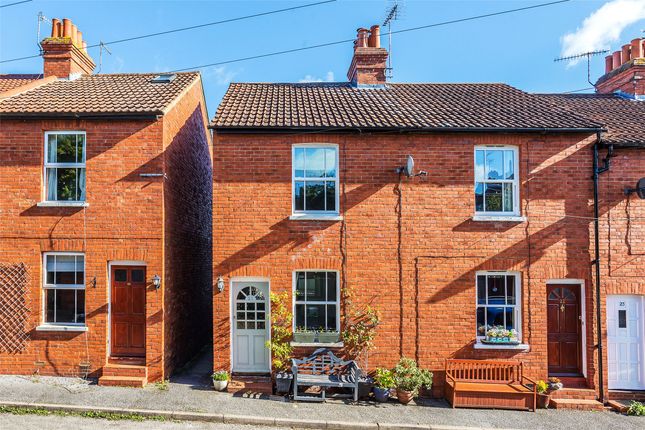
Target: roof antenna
column 587, row 54
column 41, row 18
column 102, row 46
column 391, row 14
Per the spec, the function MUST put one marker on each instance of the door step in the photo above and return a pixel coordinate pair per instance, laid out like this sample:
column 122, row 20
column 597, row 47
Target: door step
column 626, row 395
column 250, row 385
column 574, row 394
column 578, row 404
column 122, row 381
column 124, row 375
column 573, row 381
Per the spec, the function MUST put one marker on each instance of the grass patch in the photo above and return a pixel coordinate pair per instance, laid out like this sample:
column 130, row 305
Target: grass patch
column 162, row 385
column 111, row 416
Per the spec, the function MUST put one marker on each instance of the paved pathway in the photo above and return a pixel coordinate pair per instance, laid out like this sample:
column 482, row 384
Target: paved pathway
column 192, row 392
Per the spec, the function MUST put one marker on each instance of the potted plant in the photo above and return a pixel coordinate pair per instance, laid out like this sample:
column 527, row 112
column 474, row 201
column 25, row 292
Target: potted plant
column 358, row 339
column 302, row 335
column 498, row 334
column 220, row 380
column 328, row 336
column 409, row 378
column 542, row 394
column 554, row 384
column 383, row 384
column 280, row 345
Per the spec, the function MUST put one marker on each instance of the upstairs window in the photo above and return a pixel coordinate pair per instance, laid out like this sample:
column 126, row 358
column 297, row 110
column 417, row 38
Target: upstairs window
column 65, row 166
column 496, row 181
column 315, row 179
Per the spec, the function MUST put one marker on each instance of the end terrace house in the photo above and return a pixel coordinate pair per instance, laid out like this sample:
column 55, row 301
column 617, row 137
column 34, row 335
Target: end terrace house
column 487, row 226
column 105, row 225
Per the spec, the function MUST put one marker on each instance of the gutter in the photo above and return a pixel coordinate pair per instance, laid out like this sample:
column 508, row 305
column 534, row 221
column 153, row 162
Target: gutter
column 269, row 130
column 70, row 115
column 597, row 170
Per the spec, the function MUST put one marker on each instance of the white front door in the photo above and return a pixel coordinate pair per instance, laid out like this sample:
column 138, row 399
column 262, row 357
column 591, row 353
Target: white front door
column 250, row 326
column 626, row 342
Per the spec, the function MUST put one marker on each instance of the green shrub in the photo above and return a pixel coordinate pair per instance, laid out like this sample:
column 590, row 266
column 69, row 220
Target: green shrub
column 384, row 378
column 542, row 387
column 408, row 376
column 280, row 345
column 220, row 375
column 636, row 408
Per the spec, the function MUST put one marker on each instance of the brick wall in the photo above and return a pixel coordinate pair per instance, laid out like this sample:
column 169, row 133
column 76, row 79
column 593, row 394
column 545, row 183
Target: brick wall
column 415, row 261
column 622, row 231
column 123, row 222
column 188, row 235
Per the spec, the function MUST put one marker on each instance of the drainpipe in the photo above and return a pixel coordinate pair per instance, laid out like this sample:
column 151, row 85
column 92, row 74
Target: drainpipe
column 597, row 170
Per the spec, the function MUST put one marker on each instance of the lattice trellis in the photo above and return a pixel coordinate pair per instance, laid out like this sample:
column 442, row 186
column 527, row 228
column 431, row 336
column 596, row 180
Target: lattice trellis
column 14, row 307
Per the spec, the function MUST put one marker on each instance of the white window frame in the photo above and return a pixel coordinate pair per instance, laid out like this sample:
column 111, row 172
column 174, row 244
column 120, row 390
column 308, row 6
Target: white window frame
column 48, row 165
column 314, row 214
column 517, row 312
column 324, row 302
column 45, row 286
column 487, row 215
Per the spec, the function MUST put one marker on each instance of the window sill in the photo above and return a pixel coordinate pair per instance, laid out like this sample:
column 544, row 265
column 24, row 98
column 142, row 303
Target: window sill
column 50, row 327
column 62, row 204
column 317, row 344
column 496, row 218
column 316, row 217
column 520, row 347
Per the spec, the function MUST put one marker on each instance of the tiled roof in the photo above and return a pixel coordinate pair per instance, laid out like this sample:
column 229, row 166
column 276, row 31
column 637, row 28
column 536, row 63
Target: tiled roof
column 132, row 94
column 394, row 106
column 623, row 118
column 9, row 82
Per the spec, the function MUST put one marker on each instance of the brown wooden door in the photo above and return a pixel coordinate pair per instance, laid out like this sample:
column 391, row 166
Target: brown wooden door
column 128, row 311
column 564, row 329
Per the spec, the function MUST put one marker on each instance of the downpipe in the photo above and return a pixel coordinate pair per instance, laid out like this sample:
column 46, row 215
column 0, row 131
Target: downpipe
column 597, row 171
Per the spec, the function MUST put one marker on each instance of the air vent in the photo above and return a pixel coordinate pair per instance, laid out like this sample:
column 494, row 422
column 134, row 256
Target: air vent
column 163, row 79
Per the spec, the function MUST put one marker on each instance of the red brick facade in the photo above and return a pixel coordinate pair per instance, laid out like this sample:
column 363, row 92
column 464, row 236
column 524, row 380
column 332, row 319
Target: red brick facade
column 129, row 218
column 410, row 247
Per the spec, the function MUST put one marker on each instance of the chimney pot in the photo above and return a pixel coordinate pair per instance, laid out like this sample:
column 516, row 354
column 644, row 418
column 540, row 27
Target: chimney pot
column 361, row 38
column 375, row 37
column 609, row 60
column 79, row 38
column 85, row 46
column 67, row 28
column 637, row 48
column 55, row 27
column 616, row 59
column 74, row 34
column 625, row 53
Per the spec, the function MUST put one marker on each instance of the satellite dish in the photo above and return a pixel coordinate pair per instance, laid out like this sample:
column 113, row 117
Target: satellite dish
column 639, row 190
column 409, row 167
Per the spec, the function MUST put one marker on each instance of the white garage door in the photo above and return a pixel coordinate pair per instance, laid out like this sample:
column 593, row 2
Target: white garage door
column 626, row 342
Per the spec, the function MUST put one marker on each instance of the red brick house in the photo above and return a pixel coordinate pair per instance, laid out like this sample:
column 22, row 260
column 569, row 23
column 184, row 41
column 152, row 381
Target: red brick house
column 105, row 222
column 310, row 199
column 619, row 104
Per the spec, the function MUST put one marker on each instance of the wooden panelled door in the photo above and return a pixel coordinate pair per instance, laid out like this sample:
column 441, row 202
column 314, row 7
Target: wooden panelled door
column 128, row 309
column 564, row 329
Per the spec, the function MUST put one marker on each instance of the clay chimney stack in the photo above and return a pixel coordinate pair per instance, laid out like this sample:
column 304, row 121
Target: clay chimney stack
column 369, row 62
column 65, row 52
column 625, row 71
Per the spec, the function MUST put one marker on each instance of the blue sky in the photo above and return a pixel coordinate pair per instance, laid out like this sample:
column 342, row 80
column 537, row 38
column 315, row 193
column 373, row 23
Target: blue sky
column 517, row 48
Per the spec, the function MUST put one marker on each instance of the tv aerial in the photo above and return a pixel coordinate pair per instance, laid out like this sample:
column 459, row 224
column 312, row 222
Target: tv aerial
column 587, row 55
column 392, row 13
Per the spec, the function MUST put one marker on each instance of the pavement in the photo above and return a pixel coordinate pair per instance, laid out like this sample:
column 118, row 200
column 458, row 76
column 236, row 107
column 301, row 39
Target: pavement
column 189, row 397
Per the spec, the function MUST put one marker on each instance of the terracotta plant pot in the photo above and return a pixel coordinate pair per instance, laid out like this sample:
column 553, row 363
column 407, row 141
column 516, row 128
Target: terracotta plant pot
column 543, row 401
column 404, row 397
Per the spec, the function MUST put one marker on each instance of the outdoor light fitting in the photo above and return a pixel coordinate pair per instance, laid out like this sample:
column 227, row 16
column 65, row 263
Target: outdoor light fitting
column 156, row 281
column 220, row 284
column 639, row 190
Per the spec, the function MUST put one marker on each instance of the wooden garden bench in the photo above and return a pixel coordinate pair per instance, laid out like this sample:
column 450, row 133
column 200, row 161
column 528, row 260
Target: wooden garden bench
column 498, row 384
column 323, row 369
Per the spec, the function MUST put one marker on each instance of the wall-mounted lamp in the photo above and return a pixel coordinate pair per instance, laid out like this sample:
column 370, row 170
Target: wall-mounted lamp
column 639, row 190
column 220, row 284
column 156, row 281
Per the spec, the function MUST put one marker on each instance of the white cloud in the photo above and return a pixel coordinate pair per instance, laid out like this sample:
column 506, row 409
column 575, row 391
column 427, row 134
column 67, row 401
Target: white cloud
column 603, row 27
column 221, row 74
column 329, row 77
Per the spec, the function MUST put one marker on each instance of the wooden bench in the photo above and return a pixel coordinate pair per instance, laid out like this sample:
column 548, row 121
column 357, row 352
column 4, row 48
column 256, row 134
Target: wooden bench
column 323, row 369
column 489, row 384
